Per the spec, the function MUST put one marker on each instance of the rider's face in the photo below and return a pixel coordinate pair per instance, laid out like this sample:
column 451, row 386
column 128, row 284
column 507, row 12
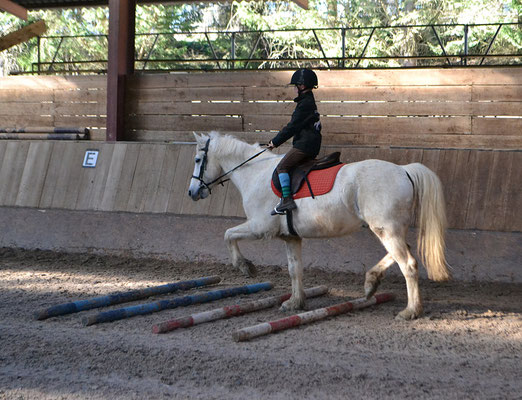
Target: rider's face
column 299, row 88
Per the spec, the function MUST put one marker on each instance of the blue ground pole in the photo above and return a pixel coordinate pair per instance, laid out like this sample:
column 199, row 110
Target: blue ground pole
column 149, row 308
column 123, row 297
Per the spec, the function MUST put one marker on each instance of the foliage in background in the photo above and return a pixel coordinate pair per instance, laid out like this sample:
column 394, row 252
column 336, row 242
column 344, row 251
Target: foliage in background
column 199, row 22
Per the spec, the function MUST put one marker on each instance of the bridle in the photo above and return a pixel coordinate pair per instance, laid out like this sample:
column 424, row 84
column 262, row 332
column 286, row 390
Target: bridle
column 219, row 178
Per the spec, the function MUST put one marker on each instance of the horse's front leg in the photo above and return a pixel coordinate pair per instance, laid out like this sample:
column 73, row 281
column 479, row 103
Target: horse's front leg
column 295, row 268
column 232, row 236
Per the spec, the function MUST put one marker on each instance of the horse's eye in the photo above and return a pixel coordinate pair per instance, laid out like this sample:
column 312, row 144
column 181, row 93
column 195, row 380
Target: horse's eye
column 198, row 160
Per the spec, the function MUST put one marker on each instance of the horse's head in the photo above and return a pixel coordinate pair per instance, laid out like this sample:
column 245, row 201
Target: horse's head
column 206, row 169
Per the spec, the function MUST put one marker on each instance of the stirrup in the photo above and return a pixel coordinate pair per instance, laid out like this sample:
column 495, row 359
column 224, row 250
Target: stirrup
column 275, row 211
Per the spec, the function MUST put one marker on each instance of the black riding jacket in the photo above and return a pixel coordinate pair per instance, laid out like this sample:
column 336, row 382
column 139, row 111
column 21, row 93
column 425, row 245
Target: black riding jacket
column 301, row 126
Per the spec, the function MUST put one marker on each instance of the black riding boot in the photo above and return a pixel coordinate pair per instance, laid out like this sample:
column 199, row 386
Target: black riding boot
column 286, row 204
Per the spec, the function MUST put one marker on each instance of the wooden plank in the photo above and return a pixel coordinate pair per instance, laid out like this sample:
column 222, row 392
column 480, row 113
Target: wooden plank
column 142, row 135
column 421, row 77
column 126, row 178
column 21, row 121
column 3, row 145
column 497, row 191
column 496, row 108
column 184, row 169
column 9, row 97
column 371, row 108
column 497, row 92
column 33, row 175
column 479, row 175
column 421, row 140
column 86, row 121
column 67, row 172
column 93, row 199
column 370, row 125
column 513, row 216
column 188, row 136
column 498, row 76
column 21, row 35
column 147, row 204
column 15, row 108
column 80, row 109
column 80, row 182
column 145, row 168
column 148, row 168
column 160, row 198
column 239, row 78
column 108, row 197
column 53, row 172
column 11, row 173
column 460, row 188
column 373, row 93
column 184, row 108
column 498, row 126
column 446, row 173
column 53, row 82
column 97, row 133
column 146, row 81
column 183, row 122
column 188, row 94
column 98, row 95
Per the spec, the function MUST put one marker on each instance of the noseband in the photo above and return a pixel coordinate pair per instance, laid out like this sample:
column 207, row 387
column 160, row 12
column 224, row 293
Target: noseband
column 218, row 179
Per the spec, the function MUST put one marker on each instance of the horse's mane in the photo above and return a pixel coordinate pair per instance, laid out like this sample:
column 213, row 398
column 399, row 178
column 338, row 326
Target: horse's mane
column 229, row 144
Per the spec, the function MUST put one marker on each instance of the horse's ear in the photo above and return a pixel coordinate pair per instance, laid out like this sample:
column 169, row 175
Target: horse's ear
column 198, row 138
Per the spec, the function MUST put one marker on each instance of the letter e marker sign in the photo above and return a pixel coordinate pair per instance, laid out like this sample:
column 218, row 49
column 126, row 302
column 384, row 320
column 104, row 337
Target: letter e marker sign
column 91, row 156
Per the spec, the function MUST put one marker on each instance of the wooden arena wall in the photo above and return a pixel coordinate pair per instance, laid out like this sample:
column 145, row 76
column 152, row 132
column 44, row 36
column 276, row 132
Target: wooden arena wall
column 444, row 108
column 476, row 108
column 465, row 124
column 54, row 101
column 482, row 187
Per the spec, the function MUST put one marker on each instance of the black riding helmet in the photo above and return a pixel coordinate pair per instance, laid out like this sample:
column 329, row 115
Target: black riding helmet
column 304, row 76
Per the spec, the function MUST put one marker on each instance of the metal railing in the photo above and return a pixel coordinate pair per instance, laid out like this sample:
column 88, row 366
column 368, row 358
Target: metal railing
column 323, row 48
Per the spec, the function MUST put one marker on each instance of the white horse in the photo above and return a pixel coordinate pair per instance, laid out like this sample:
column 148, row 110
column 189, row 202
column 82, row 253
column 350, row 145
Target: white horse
column 377, row 193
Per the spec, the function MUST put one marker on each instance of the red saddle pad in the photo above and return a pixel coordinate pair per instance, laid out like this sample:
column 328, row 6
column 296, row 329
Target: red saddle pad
column 321, row 180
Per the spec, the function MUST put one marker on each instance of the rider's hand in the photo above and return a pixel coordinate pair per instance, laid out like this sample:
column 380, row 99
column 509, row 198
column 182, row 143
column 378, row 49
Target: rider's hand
column 270, row 145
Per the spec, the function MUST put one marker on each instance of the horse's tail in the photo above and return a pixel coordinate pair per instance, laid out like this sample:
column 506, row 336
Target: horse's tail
column 432, row 220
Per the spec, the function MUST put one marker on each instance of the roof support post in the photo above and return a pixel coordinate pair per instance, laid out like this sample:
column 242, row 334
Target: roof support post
column 122, row 15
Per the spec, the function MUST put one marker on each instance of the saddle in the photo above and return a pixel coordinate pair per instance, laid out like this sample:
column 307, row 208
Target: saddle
column 300, row 175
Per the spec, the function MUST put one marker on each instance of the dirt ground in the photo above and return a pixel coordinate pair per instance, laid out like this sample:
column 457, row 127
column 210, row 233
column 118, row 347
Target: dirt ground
column 467, row 346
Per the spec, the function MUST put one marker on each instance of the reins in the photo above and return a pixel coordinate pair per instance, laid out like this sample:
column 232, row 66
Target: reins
column 204, row 165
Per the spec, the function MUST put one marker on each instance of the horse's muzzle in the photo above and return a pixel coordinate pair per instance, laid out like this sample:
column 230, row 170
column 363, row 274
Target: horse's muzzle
column 198, row 193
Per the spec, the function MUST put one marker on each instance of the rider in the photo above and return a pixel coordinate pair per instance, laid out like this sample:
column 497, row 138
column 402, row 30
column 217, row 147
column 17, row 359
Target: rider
column 305, row 128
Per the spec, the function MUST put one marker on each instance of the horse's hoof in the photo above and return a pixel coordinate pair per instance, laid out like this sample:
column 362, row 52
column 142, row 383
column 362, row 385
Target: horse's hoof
column 248, row 268
column 292, row 305
column 408, row 314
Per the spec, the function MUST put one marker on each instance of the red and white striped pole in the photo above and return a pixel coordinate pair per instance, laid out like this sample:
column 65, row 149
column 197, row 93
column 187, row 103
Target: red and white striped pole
column 231, row 311
column 308, row 317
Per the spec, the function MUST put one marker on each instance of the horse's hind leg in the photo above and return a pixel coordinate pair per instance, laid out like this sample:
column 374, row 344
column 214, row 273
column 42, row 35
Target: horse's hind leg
column 397, row 248
column 375, row 275
column 232, row 236
column 295, row 268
